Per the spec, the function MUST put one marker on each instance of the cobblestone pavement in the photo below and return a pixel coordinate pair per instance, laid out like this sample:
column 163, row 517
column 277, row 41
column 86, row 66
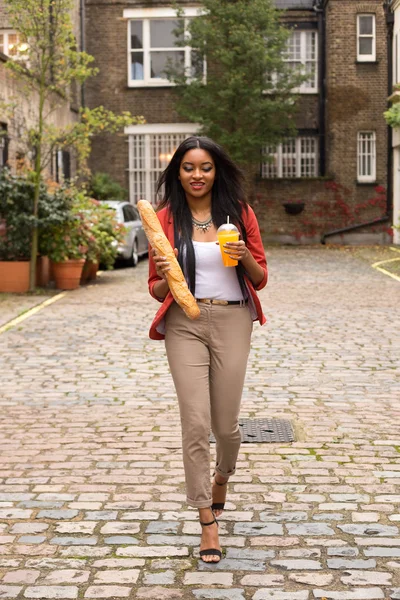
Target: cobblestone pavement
column 14, row 305
column 92, row 500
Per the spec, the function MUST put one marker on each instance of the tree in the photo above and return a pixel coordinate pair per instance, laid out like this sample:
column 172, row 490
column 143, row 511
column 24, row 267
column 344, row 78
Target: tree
column 246, row 99
column 49, row 67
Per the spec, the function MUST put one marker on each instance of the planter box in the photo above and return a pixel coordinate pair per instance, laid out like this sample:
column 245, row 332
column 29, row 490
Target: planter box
column 14, row 276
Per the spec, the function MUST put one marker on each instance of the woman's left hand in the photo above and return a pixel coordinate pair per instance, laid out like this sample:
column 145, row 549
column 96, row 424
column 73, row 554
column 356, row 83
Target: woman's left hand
column 237, row 250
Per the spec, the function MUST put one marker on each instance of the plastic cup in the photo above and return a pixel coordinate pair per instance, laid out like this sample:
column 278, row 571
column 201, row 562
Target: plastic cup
column 227, row 233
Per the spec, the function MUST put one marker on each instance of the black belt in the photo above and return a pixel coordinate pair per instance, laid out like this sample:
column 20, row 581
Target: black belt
column 222, row 302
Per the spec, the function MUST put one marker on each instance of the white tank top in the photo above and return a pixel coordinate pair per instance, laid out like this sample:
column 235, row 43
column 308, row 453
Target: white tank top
column 213, row 280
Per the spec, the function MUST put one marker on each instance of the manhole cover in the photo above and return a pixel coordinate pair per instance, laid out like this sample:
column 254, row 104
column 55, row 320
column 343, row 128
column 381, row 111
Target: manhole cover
column 264, row 430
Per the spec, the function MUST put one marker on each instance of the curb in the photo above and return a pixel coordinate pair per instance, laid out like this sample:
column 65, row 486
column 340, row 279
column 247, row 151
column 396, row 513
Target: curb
column 378, row 264
column 31, row 311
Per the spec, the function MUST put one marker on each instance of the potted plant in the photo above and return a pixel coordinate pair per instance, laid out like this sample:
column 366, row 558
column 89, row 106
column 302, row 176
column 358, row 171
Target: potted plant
column 66, row 242
column 106, row 235
column 16, row 196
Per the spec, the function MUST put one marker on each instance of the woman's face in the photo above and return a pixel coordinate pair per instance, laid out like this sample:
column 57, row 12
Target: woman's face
column 197, row 173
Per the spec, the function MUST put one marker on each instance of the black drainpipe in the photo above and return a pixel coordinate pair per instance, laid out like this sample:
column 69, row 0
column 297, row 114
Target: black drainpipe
column 389, row 200
column 319, row 9
column 82, row 24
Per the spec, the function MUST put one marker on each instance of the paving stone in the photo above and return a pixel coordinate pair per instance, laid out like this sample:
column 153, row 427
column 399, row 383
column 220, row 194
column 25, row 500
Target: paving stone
column 101, row 515
column 395, row 594
column 66, row 576
column 249, row 554
column 164, row 578
column 56, row 563
column 51, row 592
column 310, row 529
column 283, row 516
column 117, row 576
column 320, row 579
column 208, row 579
column 122, row 563
column 233, row 564
column 162, row 527
column 382, row 552
column 118, row 527
column 366, row 578
column 347, row 551
column 214, row 594
column 9, row 591
column 57, row 515
column 158, row 593
column 369, row 529
column 107, row 591
column 262, row 580
column 257, row 529
column 120, row 540
column 29, row 528
column 24, row 576
column 32, row 539
column 81, row 527
column 270, row 594
column 343, row 563
column 74, row 541
column 297, row 564
column 354, row 594
column 152, row 551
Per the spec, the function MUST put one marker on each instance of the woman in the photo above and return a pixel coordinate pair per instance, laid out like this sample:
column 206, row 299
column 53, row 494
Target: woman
column 208, row 356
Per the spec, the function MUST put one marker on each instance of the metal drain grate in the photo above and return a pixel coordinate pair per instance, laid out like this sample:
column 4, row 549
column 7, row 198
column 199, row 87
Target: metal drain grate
column 264, row 430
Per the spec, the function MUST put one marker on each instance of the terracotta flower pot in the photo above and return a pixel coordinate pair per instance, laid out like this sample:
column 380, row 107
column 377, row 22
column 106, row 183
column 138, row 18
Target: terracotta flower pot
column 89, row 271
column 68, row 274
column 14, row 276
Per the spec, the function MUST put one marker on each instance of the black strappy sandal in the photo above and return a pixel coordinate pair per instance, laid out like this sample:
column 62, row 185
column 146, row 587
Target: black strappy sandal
column 218, row 505
column 210, row 551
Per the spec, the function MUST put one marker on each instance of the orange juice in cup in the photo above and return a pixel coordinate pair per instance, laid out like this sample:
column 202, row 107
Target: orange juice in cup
column 227, row 233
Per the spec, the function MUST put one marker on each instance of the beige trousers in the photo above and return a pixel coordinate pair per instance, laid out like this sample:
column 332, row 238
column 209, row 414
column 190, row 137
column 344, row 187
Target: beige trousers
column 208, row 359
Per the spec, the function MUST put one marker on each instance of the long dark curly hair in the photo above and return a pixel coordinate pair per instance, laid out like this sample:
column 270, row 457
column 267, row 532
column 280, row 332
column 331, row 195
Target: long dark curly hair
column 228, row 198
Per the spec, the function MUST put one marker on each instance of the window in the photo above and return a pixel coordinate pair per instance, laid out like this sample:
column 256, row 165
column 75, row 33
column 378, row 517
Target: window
column 366, row 156
column 366, row 38
column 63, row 165
column 11, row 44
column 302, row 54
column 129, row 213
column 150, row 149
column 296, row 157
column 153, row 45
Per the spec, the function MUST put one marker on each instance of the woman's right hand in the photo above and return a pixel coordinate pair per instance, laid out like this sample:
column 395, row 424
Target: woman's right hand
column 162, row 264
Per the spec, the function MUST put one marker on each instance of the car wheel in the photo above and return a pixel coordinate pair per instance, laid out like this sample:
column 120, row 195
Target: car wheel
column 135, row 254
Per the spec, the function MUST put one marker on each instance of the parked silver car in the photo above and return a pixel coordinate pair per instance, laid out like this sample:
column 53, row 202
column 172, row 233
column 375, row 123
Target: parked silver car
column 135, row 243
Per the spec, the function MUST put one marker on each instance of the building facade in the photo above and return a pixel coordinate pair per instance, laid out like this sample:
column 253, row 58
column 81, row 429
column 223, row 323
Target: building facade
column 333, row 175
column 14, row 151
column 394, row 8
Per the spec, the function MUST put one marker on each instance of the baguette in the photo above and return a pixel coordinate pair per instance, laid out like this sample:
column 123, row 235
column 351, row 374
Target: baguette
column 159, row 242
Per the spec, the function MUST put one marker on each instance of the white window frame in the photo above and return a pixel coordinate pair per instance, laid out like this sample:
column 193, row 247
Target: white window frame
column 182, row 129
column 366, row 57
column 279, row 155
column 304, row 88
column 146, row 15
column 6, row 44
column 363, row 177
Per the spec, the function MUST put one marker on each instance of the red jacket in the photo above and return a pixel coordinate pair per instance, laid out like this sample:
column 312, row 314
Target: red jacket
column 254, row 244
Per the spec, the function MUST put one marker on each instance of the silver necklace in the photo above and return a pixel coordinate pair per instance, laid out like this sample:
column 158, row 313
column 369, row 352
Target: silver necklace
column 202, row 225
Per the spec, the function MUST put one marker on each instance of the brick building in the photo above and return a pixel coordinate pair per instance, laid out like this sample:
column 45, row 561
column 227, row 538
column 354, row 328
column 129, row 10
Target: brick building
column 393, row 7
column 340, row 156
column 13, row 150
